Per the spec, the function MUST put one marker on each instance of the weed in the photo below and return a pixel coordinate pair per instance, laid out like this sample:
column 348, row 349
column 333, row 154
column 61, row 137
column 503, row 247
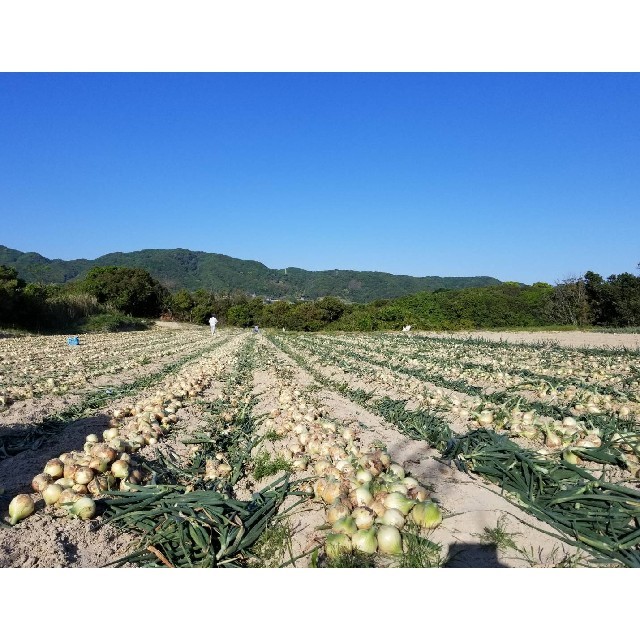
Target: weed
column 273, row 545
column 265, row 466
column 353, row 560
column 553, row 558
column 419, row 552
column 499, row 537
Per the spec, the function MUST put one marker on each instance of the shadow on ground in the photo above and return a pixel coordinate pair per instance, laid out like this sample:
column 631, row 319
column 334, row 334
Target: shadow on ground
column 473, row 555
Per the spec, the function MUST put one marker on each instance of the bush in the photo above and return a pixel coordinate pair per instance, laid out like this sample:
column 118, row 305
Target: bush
column 131, row 291
column 112, row 323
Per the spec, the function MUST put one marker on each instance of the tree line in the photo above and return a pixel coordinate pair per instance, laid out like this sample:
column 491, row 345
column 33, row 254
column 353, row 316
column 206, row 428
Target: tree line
column 120, row 298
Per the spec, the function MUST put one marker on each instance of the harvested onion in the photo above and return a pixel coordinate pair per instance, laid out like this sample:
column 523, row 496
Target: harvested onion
column 20, row 507
column 389, row 540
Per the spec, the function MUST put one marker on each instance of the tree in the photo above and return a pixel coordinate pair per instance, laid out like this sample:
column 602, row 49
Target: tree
column 181, row 305
column 11, row 288
column 569, row 303
column 331, row 307
column 129, row 290
column 624, row 290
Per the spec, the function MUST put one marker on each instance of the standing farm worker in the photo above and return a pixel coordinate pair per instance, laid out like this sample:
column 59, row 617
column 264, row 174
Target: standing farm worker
column 213, row 322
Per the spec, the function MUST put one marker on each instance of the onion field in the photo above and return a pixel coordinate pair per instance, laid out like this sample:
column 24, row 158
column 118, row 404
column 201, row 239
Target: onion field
column 178, row 448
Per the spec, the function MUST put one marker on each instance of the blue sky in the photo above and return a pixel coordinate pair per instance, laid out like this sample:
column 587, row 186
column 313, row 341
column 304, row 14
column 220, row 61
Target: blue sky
column 523, row 177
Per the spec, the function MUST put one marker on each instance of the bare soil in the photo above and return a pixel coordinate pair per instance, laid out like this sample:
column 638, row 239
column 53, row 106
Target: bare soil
column 472, row 508
column 561, row 338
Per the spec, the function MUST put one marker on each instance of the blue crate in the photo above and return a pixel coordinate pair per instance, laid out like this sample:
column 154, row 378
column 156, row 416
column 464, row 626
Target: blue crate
column 73, row 342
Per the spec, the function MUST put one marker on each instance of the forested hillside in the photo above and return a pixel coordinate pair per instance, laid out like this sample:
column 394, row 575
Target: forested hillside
column 183, row 269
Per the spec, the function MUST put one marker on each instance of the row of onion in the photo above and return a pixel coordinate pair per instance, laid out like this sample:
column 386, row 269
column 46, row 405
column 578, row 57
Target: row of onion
column 569, row 437
column 369, row 498
column 75, row 479
column 33, row 366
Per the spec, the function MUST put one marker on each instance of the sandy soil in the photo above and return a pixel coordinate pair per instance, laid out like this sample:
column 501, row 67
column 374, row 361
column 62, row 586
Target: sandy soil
column 165, row 324
column 49, row 538
column 470, row 505
column 562, row 338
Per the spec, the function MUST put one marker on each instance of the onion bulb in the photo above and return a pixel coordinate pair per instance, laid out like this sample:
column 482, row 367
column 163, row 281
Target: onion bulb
column 400, row 502
column 399, row 487
column 552, row 439
column 70, row 470
column 570, row 457
column 384, row 458
column 363, row 476
column 363, row 517
column 319, row 486
column 110, row 434
column 41, row 482
column 84, row 508
column 120, row 469
column 345, row 525
column 321, row 466
column 392, row 517
column 361, row 497
column 377, row 507
column 426, row 514
column 299, row 464
column 337, row 510
column 418, row 493
column 410, row 482
column 20, row 507
column 84, row 475
column 365, row 541
column 332, row 490
column 347, row 435
column 224, row 470
column 55, row 468
column 389, row 540
column 80, row 489
column 52, row 493
column 67, row 496
column 104, row 451
column 99, row 464
column 397, row 470
column 337, row 544
column 345, row 467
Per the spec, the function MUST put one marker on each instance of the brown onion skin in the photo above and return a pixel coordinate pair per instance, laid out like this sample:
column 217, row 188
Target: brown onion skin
column 41, row 481
column 55, row 468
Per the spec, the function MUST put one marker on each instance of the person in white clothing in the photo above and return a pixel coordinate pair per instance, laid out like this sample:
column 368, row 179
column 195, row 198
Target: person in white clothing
column 213, row 322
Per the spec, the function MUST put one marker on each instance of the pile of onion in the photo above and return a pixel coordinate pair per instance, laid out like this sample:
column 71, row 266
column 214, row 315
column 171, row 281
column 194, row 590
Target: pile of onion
column 75, row 478
column 369, row 499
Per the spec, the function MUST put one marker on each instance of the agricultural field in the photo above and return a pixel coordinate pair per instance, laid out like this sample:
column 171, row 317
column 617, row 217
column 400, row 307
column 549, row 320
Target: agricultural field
column 176, row 448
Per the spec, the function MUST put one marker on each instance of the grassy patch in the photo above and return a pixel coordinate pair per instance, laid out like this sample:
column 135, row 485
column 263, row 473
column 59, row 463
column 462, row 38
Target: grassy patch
column 419, row 552
column 113, row 322
column 265, row 466
column 273, row 546
column 353, row 560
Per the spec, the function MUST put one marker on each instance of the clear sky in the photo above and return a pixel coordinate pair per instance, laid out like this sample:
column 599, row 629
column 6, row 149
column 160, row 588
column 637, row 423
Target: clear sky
column 523, row 177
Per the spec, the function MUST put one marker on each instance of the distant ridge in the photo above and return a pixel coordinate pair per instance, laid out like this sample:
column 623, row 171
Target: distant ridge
column 185, row 269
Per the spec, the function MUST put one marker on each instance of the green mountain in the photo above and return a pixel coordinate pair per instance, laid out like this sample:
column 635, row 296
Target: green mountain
column 181, row 268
